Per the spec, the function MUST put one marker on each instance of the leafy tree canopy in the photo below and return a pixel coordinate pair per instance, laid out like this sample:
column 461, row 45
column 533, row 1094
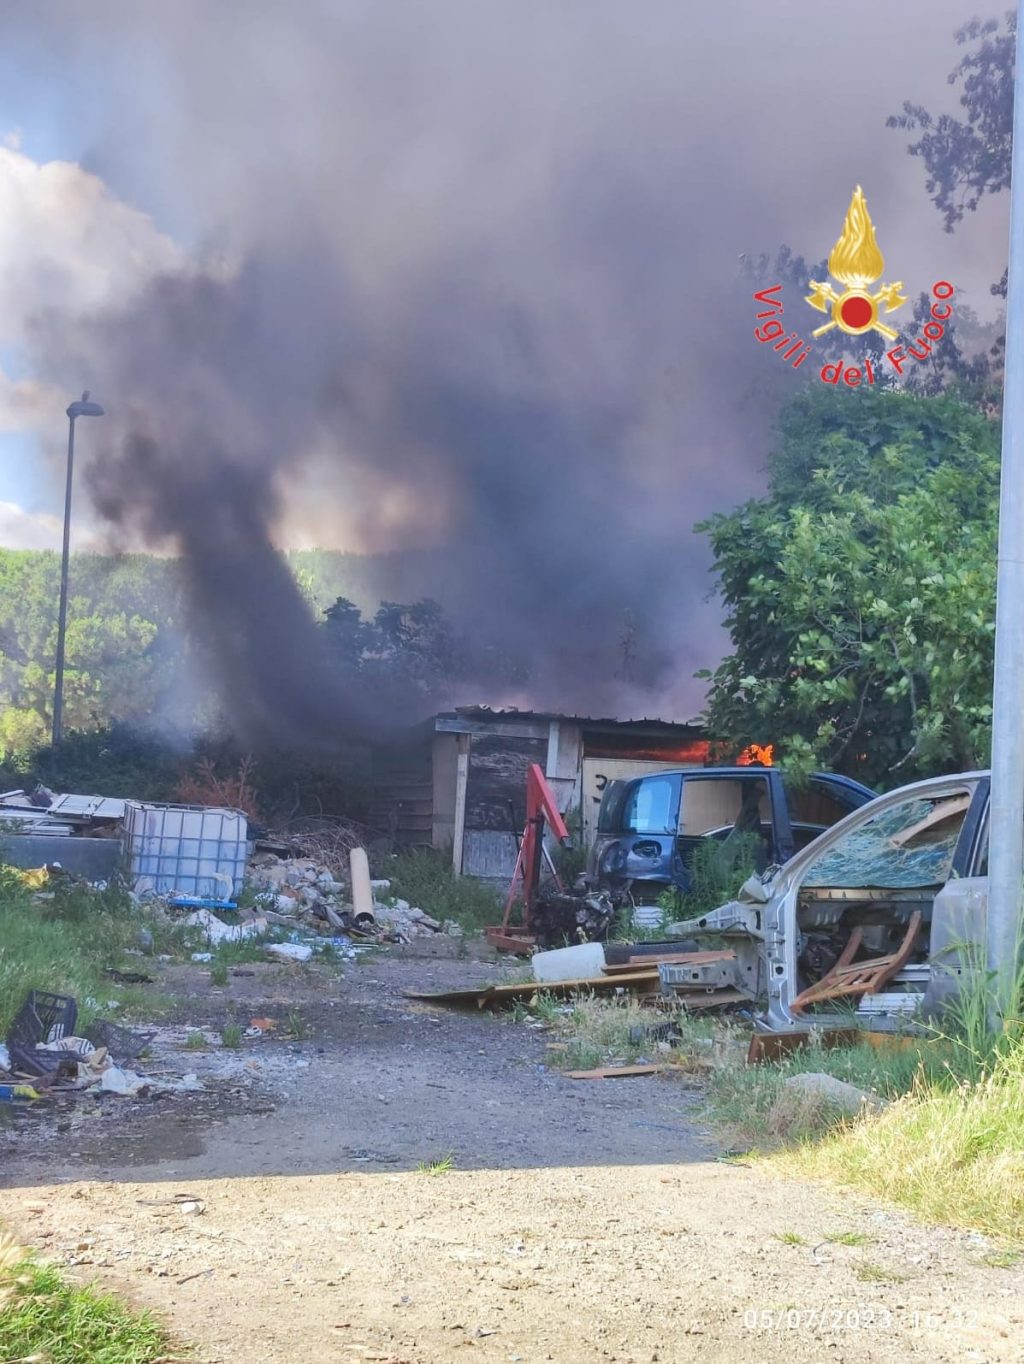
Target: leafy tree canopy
column 860, row 589
column 967, row 158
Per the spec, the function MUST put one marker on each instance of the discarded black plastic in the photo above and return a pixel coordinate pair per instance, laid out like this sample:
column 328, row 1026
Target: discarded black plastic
column 44, row 1017
column 122, row 1043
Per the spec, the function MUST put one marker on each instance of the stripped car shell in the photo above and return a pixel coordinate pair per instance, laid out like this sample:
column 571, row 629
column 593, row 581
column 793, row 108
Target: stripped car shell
column 922, row 848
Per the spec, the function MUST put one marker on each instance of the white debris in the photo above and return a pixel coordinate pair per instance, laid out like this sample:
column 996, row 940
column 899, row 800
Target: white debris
column 128, row 1084
column 114, row 1080
column 5, row 1058
column 217, row 931
column 290, row 951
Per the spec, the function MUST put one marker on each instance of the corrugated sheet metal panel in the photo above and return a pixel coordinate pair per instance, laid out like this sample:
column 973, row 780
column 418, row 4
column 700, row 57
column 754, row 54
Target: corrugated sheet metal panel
column 78, row 808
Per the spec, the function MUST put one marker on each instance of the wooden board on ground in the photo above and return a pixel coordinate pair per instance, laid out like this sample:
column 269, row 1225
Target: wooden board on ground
column 497, row 996
column 613, row 1072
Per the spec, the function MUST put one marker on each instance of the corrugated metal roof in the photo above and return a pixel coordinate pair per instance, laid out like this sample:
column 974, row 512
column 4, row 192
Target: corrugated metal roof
column 511, row 713
column 70, row 808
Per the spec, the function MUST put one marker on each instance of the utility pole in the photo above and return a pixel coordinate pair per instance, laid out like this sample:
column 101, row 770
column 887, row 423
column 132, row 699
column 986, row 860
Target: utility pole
column 83, row 408
column 1006, row 816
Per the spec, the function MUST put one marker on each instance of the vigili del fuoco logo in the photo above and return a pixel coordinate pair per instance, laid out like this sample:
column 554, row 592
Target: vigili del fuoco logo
column 856, row 263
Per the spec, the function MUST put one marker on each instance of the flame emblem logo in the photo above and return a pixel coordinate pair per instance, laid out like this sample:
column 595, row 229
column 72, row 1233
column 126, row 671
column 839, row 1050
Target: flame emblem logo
column 856, row 262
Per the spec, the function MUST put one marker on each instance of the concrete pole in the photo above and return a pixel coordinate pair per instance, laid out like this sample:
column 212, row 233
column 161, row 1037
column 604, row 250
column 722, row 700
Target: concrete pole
column 1006, row 818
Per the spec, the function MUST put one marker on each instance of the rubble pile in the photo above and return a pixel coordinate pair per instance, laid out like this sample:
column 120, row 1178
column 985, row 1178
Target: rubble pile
column 303, row 892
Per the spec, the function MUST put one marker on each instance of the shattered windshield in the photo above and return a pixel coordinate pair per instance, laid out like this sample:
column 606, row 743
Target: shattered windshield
column 907, row 845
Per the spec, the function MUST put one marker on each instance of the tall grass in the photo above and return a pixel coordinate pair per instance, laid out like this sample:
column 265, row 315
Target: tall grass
column 950, row 1153
column 716, row 873
column 43, row 1317
column 66, row 943
column 952, row 1148
column 425, row 878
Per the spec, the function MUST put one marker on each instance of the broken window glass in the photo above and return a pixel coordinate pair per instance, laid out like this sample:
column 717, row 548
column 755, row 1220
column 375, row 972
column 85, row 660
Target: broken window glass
column 907, row 845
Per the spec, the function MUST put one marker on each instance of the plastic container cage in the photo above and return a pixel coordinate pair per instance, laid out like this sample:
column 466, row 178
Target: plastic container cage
column 186, row 849
column 44, row 1017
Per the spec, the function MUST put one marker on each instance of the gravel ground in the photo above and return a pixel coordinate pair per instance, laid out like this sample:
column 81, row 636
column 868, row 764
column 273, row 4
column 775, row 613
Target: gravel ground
column 581, row 1220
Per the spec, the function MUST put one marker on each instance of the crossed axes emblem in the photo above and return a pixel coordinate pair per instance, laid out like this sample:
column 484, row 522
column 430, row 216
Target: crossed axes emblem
column 856, row 311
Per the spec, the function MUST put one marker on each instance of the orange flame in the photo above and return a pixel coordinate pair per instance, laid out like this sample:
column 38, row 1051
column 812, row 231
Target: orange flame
column 757, row 753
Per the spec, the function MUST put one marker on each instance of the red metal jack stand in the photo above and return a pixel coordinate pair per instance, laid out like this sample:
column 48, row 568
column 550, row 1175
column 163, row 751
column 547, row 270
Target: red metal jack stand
column 540, row 808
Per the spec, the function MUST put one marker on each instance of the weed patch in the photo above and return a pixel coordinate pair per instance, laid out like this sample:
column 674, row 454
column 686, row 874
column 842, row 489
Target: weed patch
column 47, row 1318
column 425, row 878
column 443, row 1165
column 65, row 944
column 952, row 1154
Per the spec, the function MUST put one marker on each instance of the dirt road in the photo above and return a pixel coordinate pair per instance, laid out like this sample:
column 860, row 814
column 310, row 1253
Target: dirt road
column 581, row 1221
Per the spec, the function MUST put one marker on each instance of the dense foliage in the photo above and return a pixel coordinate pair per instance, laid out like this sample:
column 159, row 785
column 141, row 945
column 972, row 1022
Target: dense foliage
column 860, row 589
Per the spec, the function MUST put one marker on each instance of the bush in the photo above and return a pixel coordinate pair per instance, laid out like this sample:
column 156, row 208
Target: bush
column 717, row 871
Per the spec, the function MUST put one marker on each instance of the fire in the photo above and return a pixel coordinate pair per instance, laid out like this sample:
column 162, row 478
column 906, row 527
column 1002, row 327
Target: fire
column 762, row 754
column 856, row 259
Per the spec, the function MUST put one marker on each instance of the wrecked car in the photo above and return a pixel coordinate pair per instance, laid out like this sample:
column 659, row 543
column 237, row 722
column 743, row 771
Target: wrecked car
column 883, row 914
column 649, row 828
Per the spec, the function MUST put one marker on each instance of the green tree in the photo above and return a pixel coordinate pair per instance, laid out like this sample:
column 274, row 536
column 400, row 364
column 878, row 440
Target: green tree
column 860, row 589
column 968, row 158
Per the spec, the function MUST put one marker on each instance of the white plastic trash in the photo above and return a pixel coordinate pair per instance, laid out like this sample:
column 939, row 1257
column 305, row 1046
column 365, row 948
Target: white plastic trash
column 581, row 962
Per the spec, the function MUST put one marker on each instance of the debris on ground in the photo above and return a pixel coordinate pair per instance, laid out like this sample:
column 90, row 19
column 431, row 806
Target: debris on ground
column 304, row 892
column 42, row 1045
column 290, row 951
column 217, row 931
column 569, row 963
column 640, row 977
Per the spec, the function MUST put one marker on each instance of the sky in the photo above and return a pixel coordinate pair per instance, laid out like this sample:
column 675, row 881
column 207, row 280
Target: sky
column 451, row 278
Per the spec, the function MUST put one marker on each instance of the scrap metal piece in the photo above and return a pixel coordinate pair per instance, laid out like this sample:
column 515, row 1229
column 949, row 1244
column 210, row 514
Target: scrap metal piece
column 848, row 977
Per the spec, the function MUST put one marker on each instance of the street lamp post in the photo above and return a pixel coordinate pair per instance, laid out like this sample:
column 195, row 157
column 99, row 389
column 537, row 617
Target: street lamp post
column 1006, row 817
column 83, row 408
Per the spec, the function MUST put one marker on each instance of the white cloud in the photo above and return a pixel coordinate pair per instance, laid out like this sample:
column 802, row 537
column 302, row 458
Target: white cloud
column 67, row 242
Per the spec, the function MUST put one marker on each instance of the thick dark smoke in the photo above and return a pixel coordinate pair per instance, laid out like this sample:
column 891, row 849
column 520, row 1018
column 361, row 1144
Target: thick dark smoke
column 470, row 273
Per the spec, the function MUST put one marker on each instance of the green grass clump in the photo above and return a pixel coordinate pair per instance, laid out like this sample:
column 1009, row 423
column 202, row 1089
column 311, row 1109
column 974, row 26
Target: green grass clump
column 598, row 1032
column 231, row 1036
column 717, row 870
column 753, row 1104
column 425, row 878
column 48, row 1319
column 951, row 1153
column 64, row 945
column 442, row 1165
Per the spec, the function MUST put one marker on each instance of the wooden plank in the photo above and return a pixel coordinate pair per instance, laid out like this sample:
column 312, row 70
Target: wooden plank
column 492, row 996
column 613, row 1072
